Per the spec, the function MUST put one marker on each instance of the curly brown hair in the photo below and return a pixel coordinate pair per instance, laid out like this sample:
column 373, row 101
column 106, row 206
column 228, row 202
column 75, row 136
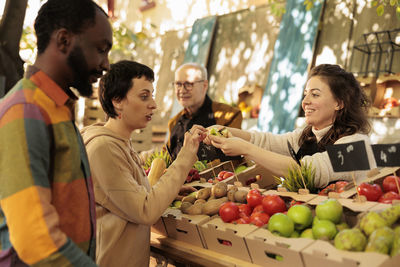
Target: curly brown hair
column 352, row 118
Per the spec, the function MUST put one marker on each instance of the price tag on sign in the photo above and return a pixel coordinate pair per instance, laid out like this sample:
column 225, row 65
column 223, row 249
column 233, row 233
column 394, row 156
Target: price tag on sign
column 348, row 157
column 387, row 155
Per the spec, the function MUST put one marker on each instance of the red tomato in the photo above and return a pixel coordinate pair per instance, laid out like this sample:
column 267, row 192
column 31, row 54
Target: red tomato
column 326, row 190
column 388, row 197
column 254, row 198
column 294, row 202
column 254, row 191
column 244, row 210
column 389, row 183
column 242, row 220
column 227, row 175
column 273, row 204
column 229, row 211
column 259, row 218
column 340, row 185
column 371, row 191
column 258, row 208
column 221, row 174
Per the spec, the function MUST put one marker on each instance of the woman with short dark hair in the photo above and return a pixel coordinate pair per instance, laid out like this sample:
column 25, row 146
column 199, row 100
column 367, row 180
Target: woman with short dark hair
column 126, row 204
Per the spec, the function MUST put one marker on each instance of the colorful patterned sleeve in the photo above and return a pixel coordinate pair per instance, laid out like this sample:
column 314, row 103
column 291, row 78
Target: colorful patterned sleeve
column 25, row 191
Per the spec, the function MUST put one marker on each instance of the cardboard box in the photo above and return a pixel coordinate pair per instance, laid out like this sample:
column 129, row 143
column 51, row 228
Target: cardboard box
column 264, row 246
column 322, row 253
column 266, row 180
column 227, row 238
column 347, row 203
column 159, row 228
column 294, row 195
column 211, row 173
column 184, row 227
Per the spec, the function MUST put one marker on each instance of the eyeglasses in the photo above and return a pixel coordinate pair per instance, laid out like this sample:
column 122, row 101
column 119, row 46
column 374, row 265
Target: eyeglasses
column 187, row 85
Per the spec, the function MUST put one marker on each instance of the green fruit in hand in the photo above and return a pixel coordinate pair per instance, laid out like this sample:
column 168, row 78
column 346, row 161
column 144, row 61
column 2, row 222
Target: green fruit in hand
column 381, row 240
column 225, row 133
column 329, row 209
column 301, row 215
column 307, row 233
column 324, row 229
column 342, row 226
column 281, row 224
column 214, row 131
column 370, row 222
column 350, row 240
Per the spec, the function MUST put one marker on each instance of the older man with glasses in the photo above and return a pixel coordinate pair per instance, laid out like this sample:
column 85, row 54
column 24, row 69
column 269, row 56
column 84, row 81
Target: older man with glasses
column 191, row 87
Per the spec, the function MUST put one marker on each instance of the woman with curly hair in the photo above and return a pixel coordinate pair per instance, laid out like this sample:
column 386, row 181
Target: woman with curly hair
column 335, row 109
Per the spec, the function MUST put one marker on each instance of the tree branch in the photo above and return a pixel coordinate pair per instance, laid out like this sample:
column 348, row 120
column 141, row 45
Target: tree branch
column 11, row 25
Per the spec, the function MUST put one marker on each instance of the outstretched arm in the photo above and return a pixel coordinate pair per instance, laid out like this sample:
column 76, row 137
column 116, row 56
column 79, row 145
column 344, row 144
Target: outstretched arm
column 274, row 162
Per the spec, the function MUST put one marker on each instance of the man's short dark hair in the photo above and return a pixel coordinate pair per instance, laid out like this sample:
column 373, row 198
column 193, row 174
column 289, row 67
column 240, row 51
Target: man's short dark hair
column 115, row 84
column 73, row 15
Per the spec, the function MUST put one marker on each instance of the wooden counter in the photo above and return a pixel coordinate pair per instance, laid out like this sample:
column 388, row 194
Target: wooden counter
column 194, row 256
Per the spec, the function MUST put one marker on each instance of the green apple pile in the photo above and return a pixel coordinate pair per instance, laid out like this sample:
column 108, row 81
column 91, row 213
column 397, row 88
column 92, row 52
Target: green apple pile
column 299, row 221
column 376, row 232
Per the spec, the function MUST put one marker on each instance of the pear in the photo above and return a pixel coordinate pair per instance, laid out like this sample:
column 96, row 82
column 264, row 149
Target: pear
column 342, row 226
column 371, row 221
column 380, row 240
column 390, row 215
column 350, row 240
column 396, row 242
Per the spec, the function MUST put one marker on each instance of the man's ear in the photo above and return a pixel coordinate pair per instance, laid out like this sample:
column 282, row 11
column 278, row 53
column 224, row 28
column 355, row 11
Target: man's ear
column 205, row 85
column 63, row 40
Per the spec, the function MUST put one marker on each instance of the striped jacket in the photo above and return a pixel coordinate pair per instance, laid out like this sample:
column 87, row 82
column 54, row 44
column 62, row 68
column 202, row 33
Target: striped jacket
column 47, row 214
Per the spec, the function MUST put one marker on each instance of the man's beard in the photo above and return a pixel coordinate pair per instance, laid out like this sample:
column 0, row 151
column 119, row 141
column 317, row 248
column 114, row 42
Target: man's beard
column 76, row 60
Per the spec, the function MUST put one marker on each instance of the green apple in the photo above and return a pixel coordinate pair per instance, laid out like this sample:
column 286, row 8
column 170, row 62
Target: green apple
column 301, row 215
column 324, row 229
column 329, row 209
column 240, row 168
column 307, row 233
column 295, row 234
column 315, row 220
column 281, row 224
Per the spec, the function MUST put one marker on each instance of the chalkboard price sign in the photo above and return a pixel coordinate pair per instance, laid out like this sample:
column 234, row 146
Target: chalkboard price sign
column 348, row 157
column 387, row 155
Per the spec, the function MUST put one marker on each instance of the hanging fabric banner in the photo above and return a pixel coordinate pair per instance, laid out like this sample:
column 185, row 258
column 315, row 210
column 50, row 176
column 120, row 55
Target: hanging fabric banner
column 293, row 53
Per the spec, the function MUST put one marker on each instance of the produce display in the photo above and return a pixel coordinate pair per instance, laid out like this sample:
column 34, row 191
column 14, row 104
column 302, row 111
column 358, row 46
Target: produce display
column 385, row 194
column 376, row 232
column 287, row 218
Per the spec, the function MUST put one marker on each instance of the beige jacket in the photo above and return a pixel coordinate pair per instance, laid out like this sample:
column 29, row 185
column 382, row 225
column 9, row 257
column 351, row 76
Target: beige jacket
column 323, row 168
column 126, row 205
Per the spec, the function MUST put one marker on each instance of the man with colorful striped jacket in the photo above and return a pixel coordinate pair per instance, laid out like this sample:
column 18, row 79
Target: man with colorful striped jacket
column 47, row 212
